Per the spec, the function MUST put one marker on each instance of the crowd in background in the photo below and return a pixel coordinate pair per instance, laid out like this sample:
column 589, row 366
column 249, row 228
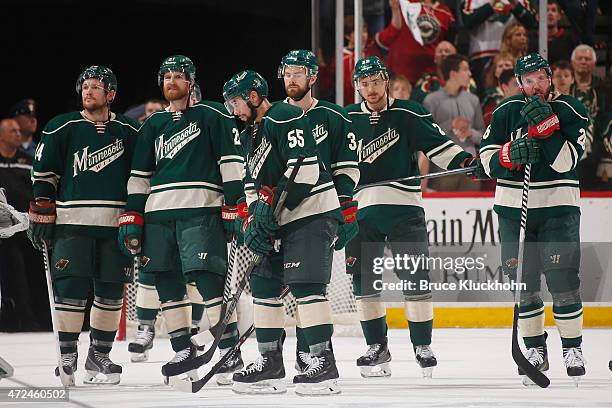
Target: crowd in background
column 459, row 81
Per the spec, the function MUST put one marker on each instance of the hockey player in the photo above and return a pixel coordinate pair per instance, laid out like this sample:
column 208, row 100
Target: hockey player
column 275, row 136
column 388, row 134
column 147, row 298
column 185, row 180
column 547, row 130
column 81, row 169
column 331, row 130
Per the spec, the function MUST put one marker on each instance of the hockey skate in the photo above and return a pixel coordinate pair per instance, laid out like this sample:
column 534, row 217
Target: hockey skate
column 375, row 362
column 170, row 368
column 320, row 378
column 264, row 376
column 139, row 348
column 100, row 369
column 302, row 361
column 425, row 359
column 226, row 371
column 537, row 357
column 574, row 363
column 6, row 370
column 69, row 366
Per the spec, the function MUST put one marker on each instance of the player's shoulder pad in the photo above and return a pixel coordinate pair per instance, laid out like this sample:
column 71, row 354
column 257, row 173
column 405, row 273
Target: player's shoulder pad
column 510, row 104
column 281, row 112
column 409, row 107
column 213, row 107
column 62, row 122
column 128, row 122
column 338, row 111
column 569, row 108
column 155, row 117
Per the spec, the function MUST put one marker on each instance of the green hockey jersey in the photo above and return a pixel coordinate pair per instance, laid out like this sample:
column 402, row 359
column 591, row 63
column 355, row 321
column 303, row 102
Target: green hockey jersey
column 331, row 129
column 554, row 187
column 271, row 150
column 186, row 163
column 387, row 144
column 84, row 166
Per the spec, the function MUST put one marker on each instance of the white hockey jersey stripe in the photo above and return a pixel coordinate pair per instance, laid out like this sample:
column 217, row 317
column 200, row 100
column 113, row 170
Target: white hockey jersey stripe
column 388, row 195
column 90, row 203
column 186, row 184
column 231, row 171
column 183, row 198
column 538, row 198
column 318, row 203
column 444, row 158
column 90, row 216
column 139, row 185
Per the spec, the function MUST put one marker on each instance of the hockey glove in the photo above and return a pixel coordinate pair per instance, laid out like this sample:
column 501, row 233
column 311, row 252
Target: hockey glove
column 519, row 151
column 479, row 172
column 263, row 211
column 229, row 213
column 350, row 228
column 42, row 222
column 130, row 233
column 540, row 117
column 242, row 211
column 255, row 239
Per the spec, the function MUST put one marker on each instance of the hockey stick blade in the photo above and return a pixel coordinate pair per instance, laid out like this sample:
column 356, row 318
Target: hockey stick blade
column 535, row 375
column 203, row 339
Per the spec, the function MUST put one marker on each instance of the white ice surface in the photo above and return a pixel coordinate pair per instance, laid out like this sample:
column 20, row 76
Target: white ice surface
column 475, row 369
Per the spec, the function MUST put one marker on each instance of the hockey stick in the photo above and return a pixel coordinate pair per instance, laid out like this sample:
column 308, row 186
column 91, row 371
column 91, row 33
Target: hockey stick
column 6, row 370
column 184, row 385
column 421, row 177
column 530, row 371
column 214, row 334
column 67, row 380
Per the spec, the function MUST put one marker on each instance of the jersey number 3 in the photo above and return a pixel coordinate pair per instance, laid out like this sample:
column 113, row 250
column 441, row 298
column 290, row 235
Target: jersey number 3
column 296, row 138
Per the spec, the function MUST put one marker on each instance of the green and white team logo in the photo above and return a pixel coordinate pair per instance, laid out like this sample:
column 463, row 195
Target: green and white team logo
column 98, row 160
column 320, row 133
column 378, row 146
column 258, row 157
column 168, row 148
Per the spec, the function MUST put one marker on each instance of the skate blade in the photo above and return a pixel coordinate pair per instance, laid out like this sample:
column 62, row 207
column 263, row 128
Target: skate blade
column 261, row 387
column 328, row 387
column 377, row 371
column 202, row 339
column 224, row 379
column 139, row 357
column 66, row 379
column 576, row 379
column 6, row 370
column 96, row 378
column 427, row 372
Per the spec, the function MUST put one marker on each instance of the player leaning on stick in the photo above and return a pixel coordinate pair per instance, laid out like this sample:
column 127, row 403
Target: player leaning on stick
column 275, row 137
column 81, row 169
column 331, row 129
column 186, row 172
column 388, row 134
column 548, row 130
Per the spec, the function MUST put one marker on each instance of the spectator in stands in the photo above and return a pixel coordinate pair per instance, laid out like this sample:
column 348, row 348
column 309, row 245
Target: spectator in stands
column 196, row 94
column 486, row 21
column 373, row 14
column 412, row 53
column 493, row 92
column 430, row 82
column 151, row 106
column 25, row 304
column 581, row 14
column 563, row 77
column 458, row 113
column 400, row 87
column 587, row 87
column 514, row 40
column 25, row 112
column 327, row 71
column 561, row 41
column 508, row 88
column 602, row 148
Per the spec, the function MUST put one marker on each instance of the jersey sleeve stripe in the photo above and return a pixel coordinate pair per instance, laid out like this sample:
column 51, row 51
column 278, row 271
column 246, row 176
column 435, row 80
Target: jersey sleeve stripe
column 437, row 149
column 182, row 184
column 445, row 157
column 307, row 174
column 572, row 108
column 232, row 171
column 138, row 185
column 345, row 164
column 46, row 132
column 351, row 172
column 139, row 173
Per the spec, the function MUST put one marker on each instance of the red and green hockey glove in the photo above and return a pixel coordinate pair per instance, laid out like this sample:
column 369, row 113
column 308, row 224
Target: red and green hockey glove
column 519, row 151
column 263, row 211
column 229, row 213
column 350, row 228
column 540, row 117
column 256, row 239
column 42, row 222
column 130, row 233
